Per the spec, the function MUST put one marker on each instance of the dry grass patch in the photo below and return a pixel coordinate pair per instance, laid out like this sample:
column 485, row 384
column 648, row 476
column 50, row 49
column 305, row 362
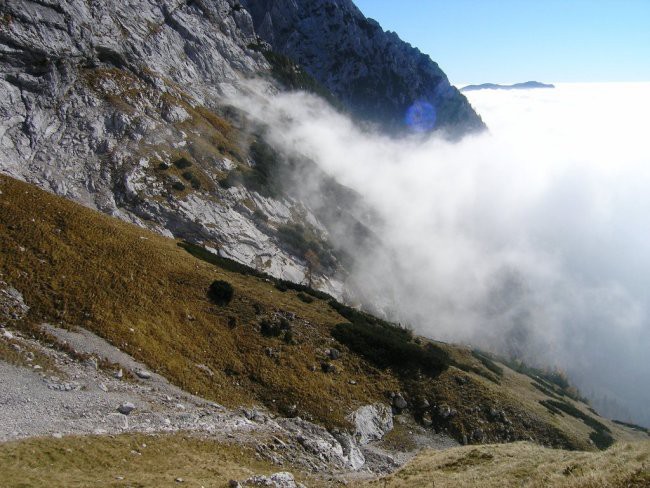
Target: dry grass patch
column 525, row 465
column 148, row 296
column 126, row 460
column 144, row 294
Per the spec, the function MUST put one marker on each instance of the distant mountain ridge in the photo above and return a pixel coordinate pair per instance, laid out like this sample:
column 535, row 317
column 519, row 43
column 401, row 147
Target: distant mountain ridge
column 527, row 85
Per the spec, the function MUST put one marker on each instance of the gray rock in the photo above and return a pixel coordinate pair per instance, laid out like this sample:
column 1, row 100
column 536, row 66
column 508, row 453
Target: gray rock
column 143, row 374
column 277, row 480
column 126, row 408
column 399, row 402
column 423, row 403
column 445, row 411
column 478, row 435
column 371, row 423
column 174, row 113
column 427, row 421
column 333, row 353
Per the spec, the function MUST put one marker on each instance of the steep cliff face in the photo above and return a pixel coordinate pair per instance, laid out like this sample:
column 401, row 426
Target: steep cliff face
column 123, row 106
column 119, row 105
column 376, row 74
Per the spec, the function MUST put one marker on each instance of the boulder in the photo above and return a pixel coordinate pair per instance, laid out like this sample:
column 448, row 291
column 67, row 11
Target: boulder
column 399, row 402
column 277, row 480
column 143, row 374
column 126, row 408
column 371, row 423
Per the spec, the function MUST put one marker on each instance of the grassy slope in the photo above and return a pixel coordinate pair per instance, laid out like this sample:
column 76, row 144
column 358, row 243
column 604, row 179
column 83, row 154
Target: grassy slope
column 159, row 460
column 138, row 459
column 146, row 295
column 75, row 266
column 525, row 465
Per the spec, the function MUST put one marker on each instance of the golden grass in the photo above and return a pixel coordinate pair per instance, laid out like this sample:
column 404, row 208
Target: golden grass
column 144, row 294
column 75, row 266
column 524, row 465
column 139, row 460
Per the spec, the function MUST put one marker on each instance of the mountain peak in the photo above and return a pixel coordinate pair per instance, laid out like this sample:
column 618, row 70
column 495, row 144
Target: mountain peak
column 377, row 76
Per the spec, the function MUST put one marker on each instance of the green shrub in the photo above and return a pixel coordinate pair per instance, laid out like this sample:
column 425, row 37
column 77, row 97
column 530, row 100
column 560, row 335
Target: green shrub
column 632, row 426
column 236, row 267
column 300, row 242
column 178, row 186
column 601, row 433
column 602, row 440
column 221, row 292
column 276, row 329
column 191, row 177
column 183, row 163
column 389, row 347
column 488, row 362
column 305, row 298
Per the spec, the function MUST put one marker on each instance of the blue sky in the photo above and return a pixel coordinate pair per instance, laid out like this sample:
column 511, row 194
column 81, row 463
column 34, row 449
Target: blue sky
column 518, row 40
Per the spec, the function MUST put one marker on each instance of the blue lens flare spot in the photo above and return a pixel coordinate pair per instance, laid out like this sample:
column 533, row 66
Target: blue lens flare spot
column 421, row 117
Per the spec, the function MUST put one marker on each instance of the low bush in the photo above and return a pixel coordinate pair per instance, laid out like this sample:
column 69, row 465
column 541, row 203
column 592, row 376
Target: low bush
column 389, row 347
column 305, row 298
column 488, row 362
column 236, row 267
column 632, row 426
column 192, row 178
column 279, row 328
column 183, row 163
column 600, row 436
column 602, row 440
column 221, row 292
column 299, row 241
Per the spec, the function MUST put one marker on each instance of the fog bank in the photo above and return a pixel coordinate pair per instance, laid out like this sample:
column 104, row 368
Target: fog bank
column 530, row 240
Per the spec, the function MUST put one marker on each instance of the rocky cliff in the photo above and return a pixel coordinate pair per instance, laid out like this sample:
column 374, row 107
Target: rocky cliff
column 121, row 106
column 376, row 74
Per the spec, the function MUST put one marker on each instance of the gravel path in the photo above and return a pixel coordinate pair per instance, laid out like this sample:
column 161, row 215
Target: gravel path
column 85, row 400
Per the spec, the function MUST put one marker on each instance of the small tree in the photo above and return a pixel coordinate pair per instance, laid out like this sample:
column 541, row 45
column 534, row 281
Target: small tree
column 221, row 292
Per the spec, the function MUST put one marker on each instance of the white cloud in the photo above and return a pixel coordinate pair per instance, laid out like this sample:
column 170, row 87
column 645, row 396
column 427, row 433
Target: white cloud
column 532, row 238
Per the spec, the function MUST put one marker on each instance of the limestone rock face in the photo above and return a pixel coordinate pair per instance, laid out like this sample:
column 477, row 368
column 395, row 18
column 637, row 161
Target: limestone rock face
column 376, row 74
column 123, row 107
column 371, row 422
column 99, row 98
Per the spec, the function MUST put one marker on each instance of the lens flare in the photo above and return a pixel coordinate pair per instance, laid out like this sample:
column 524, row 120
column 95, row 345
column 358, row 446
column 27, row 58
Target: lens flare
column 421, row 116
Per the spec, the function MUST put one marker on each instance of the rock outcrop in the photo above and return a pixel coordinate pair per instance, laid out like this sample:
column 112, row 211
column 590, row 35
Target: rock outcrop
column 100, row 99
column 373, row 72
column 122, row 106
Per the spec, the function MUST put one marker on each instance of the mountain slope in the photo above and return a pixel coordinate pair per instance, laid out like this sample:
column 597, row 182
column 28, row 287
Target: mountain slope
column 120, row 107
column 375, row 74
column 516, row 465
column 124, row 107
column 148, row 296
